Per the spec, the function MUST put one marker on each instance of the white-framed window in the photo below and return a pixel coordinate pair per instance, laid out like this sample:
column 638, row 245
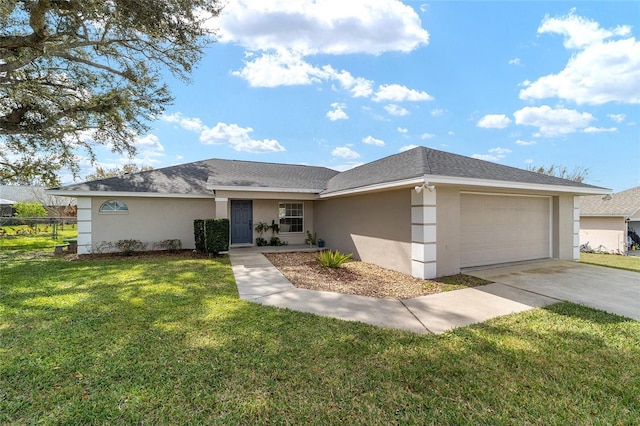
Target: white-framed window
column 113, row 206
column 291, row 217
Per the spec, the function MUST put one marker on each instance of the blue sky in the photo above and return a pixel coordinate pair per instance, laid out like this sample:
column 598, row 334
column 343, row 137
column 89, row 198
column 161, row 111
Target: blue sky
column 339, row 83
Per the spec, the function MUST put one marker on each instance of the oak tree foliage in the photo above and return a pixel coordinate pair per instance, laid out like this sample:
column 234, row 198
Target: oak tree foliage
column 75, row 74
column 103, row 173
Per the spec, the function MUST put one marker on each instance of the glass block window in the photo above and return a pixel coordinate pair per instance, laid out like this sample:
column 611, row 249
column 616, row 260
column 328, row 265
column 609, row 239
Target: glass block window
column 113, row 206
column 291, row 217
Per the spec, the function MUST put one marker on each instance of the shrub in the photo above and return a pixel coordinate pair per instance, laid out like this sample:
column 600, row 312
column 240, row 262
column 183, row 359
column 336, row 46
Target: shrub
column 198, row 233
column 332, row 259
column 216, row 232
column 127, row 247
column 275, row 241
column 261, row 242
column 172, row 246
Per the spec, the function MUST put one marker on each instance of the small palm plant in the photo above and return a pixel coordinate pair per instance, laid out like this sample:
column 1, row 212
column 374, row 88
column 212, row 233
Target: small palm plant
column 332, row 259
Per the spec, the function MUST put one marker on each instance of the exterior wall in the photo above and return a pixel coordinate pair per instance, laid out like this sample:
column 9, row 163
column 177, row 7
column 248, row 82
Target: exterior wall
column 267, row 210
column 448, row 231
column 374, row 227
column 84, row 226
column 606, row 231
column 423, row 234
column 149, row 220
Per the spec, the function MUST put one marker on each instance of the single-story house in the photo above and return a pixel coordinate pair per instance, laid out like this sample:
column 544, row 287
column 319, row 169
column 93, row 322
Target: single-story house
column 610, row 221
column 423, row 212
column 55, row 206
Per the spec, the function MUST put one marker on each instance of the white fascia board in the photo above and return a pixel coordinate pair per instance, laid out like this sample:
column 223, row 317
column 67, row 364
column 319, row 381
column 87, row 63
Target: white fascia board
column 377, row 187
column 451, row 180
column 461, row 181
column 122, row 194
column 262, row 189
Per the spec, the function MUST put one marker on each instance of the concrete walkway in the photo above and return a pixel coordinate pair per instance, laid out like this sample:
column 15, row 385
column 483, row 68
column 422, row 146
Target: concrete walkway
column 260, row 282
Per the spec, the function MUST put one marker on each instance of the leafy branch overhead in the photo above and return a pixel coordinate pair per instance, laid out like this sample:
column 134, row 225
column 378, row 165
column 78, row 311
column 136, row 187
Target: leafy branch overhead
column 77, row 73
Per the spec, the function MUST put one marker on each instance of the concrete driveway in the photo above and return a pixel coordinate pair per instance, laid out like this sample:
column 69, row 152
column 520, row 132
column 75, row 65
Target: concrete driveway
column 611, row 290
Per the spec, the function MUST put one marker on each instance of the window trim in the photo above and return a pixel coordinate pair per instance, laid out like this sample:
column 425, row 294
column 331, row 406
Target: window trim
column 119, row 211
column 280, row 203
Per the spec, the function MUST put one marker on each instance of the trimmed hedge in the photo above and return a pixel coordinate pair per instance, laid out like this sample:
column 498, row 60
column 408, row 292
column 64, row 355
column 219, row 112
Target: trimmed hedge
column 211, row 235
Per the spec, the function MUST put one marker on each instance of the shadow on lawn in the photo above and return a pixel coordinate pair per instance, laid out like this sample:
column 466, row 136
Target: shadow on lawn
column 169, row 342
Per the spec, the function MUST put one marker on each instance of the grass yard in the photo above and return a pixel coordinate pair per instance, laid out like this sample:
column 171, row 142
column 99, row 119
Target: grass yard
column 630, row 263
column 165, row 340
column 20, row 238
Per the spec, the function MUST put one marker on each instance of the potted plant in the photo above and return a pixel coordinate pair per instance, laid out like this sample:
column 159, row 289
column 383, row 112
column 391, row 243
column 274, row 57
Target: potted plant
column 261, row 228
column 320, row 242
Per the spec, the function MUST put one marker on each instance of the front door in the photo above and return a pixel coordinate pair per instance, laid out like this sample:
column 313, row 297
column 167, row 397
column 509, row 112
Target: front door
column 241, row 222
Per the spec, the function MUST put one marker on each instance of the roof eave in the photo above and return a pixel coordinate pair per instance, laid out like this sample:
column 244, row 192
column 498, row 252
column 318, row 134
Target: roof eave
column 84, row 193
column 262, row 189
column 473, row 182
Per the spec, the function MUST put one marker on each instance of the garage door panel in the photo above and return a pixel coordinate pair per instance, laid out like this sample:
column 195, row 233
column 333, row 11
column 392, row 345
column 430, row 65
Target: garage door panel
column 499, row 228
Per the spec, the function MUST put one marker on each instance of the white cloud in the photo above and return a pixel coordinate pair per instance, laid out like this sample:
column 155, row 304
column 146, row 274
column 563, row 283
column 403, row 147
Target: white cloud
column 238, row 138
column 280, row 68
column 451, row 133
column 345, row 152
column 592, row 129
column 495, row 154
column 580, row 32
column 552, row 122
column 396, row 110
column 370, row 140
column 427, row 136
column 402, row 130
column 528, row 161
column 322, row 26
column 408, row 147
column 399, row 93
column 338, row 112
column 437, row 112
column 358, row 86
column 514, row 61
column 191, row 124
column 618, row 118
column 525, row 143
column 601, row 71
column 494, row 121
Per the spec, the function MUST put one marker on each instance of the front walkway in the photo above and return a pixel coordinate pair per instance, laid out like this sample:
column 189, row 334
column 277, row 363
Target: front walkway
column 259, row 281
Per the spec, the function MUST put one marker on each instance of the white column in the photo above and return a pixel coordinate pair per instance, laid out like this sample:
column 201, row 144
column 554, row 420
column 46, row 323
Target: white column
column 423, row 234
column 84, row 225
column 576, row 228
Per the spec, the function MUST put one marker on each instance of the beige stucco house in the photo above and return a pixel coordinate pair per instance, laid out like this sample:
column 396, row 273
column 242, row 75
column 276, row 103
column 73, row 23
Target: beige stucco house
column 423, row 212
column 605, row 222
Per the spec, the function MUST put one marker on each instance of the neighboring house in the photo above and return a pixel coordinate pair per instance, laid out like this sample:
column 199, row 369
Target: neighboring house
column 6, row 207
column 56, row 206
column 423, row 212
column 606, row 221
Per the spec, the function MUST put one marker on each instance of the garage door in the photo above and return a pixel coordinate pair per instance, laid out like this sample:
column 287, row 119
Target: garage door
column 499, row 228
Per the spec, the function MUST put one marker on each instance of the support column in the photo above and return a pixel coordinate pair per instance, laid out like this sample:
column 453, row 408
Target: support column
column 84, row 225
column 423, row 234
column 576, row 228
column 222, row 209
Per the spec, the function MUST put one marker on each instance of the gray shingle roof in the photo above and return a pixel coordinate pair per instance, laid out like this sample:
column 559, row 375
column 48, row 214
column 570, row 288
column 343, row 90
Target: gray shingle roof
column 426, row 161
column 625, row 203
column 191, row 178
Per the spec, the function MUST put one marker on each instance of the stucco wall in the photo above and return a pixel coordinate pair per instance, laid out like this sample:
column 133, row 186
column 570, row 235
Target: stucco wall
column 566, row 227
column 150, row 220
column 606, row 231
column 267, row 210
column 375, row 227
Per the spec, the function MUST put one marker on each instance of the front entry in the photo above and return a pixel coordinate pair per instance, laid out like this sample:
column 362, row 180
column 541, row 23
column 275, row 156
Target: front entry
column 241, row 222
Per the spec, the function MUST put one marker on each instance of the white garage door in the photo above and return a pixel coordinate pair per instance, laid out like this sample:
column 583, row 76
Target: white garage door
column 499, row 228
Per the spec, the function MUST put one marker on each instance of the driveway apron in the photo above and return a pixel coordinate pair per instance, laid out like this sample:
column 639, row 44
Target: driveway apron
column 611, row 290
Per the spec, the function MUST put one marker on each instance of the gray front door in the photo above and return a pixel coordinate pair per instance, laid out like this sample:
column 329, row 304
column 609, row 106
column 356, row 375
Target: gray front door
column 241, row 222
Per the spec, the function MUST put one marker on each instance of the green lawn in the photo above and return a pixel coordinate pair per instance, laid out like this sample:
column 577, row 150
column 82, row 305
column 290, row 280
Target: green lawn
column 631, row 263
column 165, row 340
column 22, row 238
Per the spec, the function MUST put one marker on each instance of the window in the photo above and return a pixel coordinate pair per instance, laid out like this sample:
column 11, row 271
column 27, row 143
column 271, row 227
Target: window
column 291, row 217
column 113, row 206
